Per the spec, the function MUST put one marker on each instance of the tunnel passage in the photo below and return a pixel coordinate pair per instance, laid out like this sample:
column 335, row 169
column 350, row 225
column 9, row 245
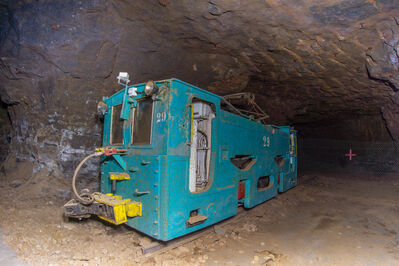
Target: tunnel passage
column 325, row 146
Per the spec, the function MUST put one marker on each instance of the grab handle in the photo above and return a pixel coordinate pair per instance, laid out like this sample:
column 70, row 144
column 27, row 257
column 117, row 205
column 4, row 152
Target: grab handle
column 141, row 192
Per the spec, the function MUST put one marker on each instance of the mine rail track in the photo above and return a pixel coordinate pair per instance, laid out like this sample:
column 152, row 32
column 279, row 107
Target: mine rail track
column 159, row 247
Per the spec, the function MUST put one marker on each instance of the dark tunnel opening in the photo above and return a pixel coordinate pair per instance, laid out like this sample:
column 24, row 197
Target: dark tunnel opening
column 5, row 131
column 325, row 146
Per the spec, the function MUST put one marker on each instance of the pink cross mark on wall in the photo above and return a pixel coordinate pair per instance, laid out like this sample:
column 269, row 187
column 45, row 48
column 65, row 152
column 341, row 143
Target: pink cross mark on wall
column 350, row 154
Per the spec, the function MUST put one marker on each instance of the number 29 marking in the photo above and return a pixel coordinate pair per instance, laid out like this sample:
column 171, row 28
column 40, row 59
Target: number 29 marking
column 266, row 141
column 161, row 117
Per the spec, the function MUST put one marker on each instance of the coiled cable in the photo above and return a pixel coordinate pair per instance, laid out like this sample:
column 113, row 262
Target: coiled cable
column 84, row 198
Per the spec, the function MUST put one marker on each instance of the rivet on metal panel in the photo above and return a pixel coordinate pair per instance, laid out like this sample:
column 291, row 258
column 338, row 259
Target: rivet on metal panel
column 156, row 184
column 155, row 222
column 156, row 171
column 145, row 162
column 133, row 169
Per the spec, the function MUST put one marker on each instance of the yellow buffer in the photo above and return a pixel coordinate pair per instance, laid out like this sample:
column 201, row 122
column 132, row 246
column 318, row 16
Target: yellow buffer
column 115, row 209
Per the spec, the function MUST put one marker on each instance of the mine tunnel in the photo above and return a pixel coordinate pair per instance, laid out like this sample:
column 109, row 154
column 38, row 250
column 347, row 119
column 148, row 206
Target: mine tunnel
column 324, row 73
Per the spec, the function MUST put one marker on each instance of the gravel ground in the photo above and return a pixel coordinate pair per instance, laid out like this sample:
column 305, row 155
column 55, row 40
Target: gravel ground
column 325, row 220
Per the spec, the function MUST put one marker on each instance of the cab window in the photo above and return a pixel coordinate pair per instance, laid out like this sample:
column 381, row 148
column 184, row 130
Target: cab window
column 116, row 125
column 141, row 118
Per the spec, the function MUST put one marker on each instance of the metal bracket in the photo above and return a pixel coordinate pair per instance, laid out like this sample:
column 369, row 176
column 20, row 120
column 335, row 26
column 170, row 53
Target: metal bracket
column 125, row 105
column 120, row 161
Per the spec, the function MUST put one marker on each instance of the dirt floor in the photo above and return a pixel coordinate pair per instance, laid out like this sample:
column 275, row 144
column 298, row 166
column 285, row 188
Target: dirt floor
column 325, row 220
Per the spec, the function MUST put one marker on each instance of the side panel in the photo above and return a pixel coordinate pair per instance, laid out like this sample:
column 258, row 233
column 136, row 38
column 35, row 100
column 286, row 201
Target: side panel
column 242, row 137
column 232, row 136
column 288, row 177
column 218, row 201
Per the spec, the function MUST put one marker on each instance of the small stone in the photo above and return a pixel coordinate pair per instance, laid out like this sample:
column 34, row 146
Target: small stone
column 69, row 226
column 219, row 230
column 249, row 227
column 262, row 243
column 241, row 251
column 16, row 183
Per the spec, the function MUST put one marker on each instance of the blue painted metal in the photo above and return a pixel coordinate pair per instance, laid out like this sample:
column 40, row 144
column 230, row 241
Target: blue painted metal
column 162, row 167
column 125, row 104
column 120, row 161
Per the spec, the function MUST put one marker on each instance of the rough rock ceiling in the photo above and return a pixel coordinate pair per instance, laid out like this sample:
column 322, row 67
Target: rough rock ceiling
column 309, row 62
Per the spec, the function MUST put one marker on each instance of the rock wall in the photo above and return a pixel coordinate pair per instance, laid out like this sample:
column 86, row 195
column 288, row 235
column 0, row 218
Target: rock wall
column 308, row 63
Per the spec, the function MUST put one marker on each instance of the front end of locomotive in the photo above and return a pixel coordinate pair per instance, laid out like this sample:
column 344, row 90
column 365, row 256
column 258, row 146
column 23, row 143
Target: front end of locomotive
column 132, row 157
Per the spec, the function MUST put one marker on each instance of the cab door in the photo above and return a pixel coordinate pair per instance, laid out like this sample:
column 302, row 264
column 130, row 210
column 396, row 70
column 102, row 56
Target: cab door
column 202, row 114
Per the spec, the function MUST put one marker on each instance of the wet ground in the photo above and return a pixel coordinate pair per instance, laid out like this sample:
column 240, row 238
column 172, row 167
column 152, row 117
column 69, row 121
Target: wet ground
column 326, row 220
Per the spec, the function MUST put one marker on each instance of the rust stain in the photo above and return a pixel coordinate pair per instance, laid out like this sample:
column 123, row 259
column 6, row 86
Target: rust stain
column 374, row 3
column 55, row 26
column 164, row 2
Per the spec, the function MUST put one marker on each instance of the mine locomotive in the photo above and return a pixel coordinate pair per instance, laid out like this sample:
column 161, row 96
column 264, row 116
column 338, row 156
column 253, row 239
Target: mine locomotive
column 176, row 159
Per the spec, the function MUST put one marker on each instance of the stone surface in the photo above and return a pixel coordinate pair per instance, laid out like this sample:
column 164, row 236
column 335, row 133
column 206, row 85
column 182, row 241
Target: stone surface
column 311, row 64
column 8, row 256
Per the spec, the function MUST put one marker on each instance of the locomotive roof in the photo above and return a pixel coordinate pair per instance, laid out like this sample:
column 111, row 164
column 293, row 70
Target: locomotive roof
column 171, row 80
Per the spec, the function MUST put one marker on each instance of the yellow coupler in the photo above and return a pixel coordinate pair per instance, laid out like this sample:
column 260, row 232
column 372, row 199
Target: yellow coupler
column 115, row 209
column 119, row 176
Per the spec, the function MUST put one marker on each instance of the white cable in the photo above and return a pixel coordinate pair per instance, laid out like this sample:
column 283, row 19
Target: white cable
column 88, row 197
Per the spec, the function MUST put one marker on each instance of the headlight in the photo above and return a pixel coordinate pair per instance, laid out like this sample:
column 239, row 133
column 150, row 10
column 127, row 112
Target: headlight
column 151, row 88
column 123, row 78
column 101, row 108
